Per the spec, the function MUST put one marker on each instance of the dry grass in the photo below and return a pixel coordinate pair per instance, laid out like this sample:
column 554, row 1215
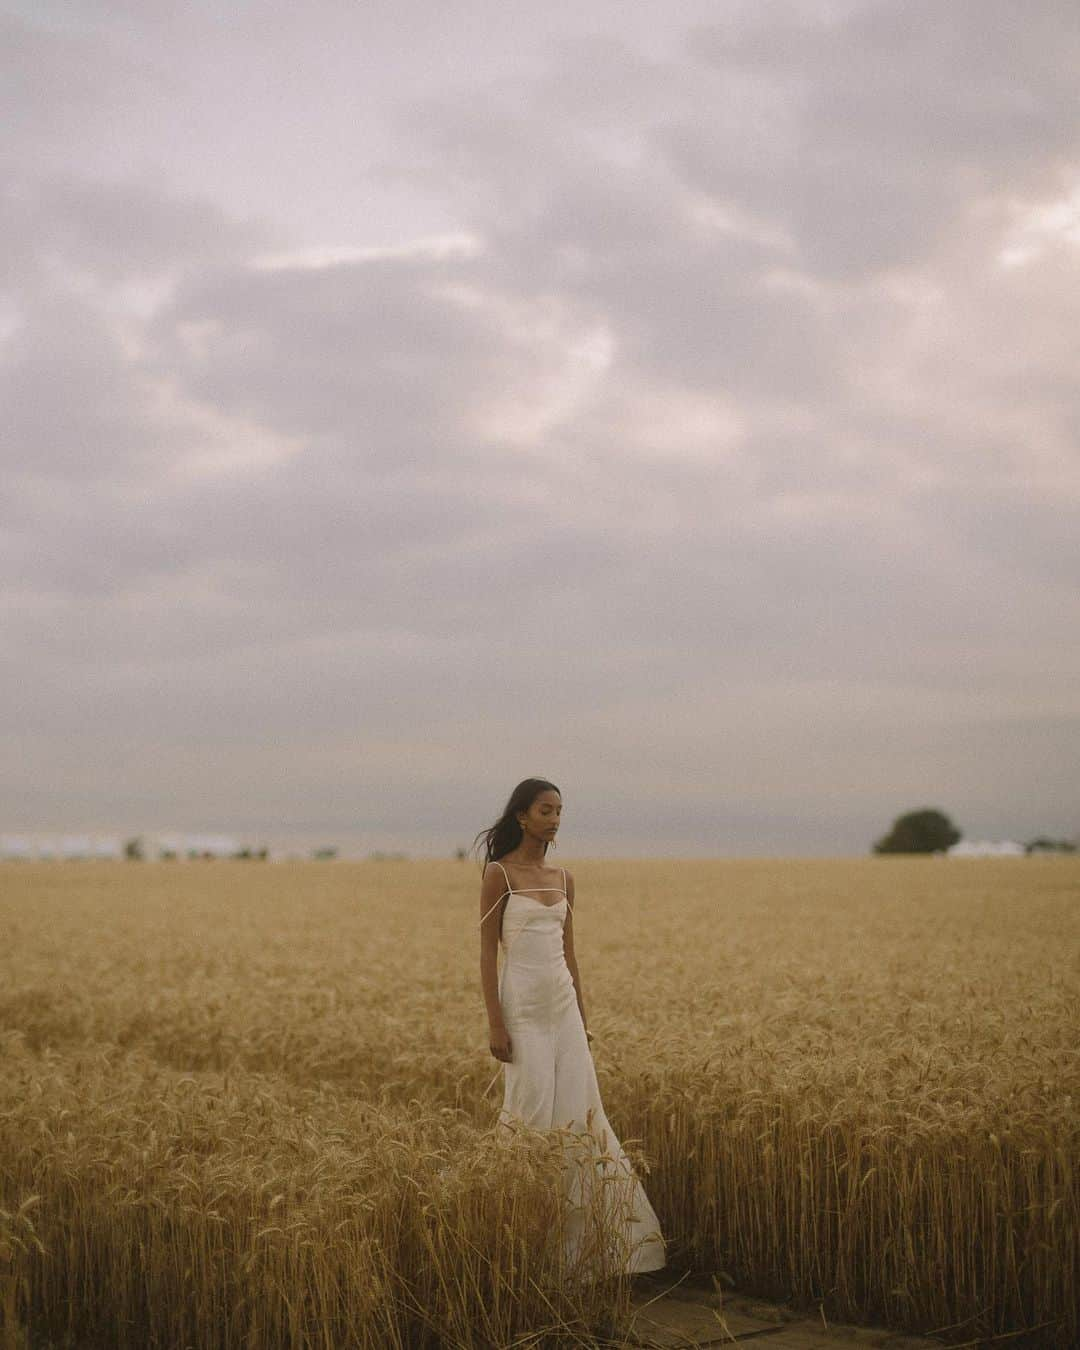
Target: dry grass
column 244, row 1105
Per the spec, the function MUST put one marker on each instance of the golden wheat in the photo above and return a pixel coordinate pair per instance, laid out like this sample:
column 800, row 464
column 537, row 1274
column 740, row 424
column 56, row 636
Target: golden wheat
column 252, row 1105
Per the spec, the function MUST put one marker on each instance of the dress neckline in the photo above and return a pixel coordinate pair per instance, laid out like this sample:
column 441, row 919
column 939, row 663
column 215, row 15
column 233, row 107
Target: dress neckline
column 554, row 904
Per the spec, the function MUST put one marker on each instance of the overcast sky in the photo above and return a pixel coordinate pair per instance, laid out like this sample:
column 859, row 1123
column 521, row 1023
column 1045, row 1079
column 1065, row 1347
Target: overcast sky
column 675, row 400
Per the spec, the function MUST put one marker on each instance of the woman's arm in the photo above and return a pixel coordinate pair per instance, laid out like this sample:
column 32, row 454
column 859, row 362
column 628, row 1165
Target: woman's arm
column 568, row 951
column 492, row 888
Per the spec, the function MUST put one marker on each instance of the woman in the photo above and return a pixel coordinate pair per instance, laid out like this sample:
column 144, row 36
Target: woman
column 536, row 1018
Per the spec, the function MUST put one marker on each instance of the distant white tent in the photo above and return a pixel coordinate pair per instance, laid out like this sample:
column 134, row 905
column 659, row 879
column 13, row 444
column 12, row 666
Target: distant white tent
column 218, row 845
column 86, row 847
column 987, row 848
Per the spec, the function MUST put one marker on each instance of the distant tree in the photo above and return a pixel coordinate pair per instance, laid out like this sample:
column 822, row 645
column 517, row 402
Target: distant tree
column 168, row 855
column 1044, row 845
column 262, row 854
column 925, row 831
column 460, row 854
column 324, row 854
column 133, row 849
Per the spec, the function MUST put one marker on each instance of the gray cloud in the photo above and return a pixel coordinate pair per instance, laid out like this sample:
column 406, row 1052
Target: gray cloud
column 892, row 119
column 709, row 444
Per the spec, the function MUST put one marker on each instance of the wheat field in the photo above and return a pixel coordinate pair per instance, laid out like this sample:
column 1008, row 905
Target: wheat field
column 251, row 1105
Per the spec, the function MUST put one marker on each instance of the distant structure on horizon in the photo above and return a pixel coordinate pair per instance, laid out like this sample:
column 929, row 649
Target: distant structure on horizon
column 68, row 847
column 76, row 847
column 183, row 845
column 986, row 848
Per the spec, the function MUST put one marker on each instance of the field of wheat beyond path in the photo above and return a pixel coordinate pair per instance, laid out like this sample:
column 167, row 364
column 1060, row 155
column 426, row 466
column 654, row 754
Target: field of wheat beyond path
column 251, row 1105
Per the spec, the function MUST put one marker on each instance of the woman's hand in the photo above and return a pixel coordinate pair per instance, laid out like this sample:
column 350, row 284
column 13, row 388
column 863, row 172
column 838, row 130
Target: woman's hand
column 588, row 1035
column 499, row 1043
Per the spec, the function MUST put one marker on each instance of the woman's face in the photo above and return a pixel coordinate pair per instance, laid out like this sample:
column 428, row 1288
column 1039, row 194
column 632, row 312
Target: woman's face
column 542, row 818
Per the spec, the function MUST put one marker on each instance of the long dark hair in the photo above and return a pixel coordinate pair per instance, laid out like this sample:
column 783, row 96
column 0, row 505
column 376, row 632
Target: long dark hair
column 506, row 833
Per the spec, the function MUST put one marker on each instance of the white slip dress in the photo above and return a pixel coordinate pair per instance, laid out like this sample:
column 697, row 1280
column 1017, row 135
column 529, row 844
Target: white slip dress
column 550, row 1081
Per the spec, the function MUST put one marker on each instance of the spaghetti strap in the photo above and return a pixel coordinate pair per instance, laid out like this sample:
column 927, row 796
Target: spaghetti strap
column 510, row 890
column 498, row 902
